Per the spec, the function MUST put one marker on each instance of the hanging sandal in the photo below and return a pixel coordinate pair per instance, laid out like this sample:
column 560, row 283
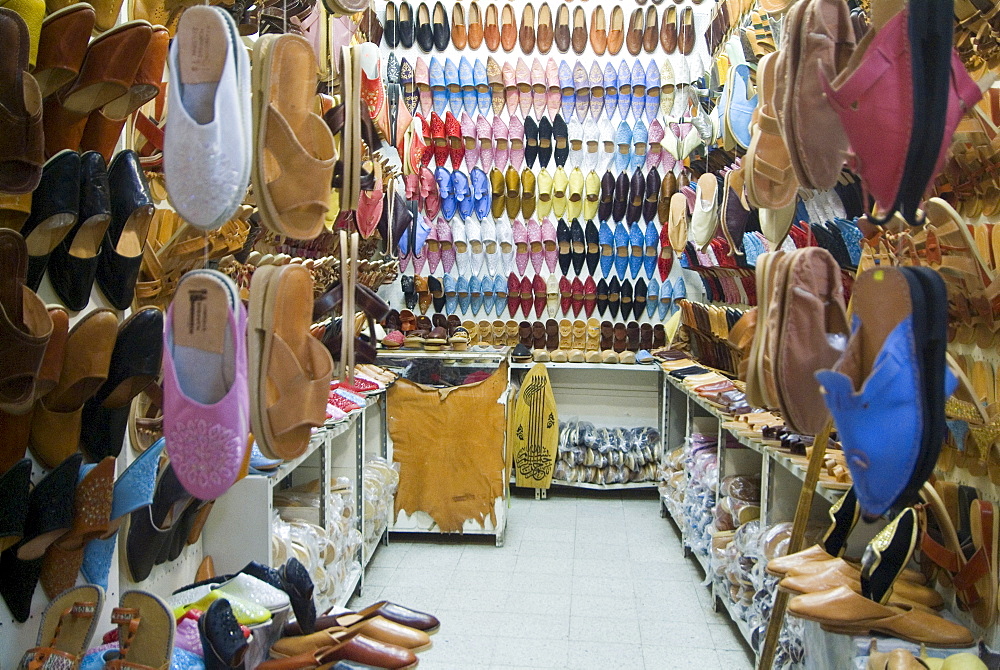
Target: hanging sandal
column 290, row 370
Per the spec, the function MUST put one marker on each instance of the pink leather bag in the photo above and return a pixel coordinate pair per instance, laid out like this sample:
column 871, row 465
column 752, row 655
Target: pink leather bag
column 873, row 96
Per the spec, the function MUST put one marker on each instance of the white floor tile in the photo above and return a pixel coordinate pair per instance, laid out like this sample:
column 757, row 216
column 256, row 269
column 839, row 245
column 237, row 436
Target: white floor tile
column 584, row 581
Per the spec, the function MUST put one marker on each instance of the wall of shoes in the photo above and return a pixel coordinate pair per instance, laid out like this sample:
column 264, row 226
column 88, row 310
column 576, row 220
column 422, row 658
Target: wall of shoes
column 114, row 212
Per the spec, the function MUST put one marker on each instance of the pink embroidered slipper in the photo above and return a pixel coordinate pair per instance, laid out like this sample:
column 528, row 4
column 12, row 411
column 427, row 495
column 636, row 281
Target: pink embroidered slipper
column 206, row 406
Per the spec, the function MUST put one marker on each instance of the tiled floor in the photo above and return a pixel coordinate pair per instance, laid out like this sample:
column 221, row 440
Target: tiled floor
column 585, row 580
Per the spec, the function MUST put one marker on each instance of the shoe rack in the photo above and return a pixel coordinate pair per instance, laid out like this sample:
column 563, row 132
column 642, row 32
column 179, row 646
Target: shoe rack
column 781, row 481
column 628, row 396
column 241, row 526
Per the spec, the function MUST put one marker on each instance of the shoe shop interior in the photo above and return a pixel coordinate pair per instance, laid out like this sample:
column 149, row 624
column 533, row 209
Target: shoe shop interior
column 476, row 335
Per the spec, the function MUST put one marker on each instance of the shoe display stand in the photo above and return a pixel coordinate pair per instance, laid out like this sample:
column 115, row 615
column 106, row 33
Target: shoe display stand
column 485, row 359
column 239, row 529
column 617, row 395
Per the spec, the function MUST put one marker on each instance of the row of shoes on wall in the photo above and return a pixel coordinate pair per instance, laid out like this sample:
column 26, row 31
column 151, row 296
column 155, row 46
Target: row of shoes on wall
column 673, row 30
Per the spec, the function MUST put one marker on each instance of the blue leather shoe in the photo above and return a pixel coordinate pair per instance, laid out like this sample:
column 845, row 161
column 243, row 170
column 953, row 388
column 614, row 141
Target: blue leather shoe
column 132, row 490
column 462, row 288
column 480, row 192
column 680, row 293
column 637, row 242
column 450, row 293
column 463, row 193
column 610, row 91
column 466, row 82
column 666, row 299
column 479, row 79
column 623, row 138
column 454, row 84
column 621, row 250
column 499, row 294
column 568, row 91
column 475, row 294
column 222, row 638
column 638, row 102
column 488, row 298
column 652, row 297
column 640, row 137
column 439, row 88
column 423, row 230
column 741, row 107
column 624, row 89
column 606, row 240
column 652, row 243
column 449, row 205
column 652, row 91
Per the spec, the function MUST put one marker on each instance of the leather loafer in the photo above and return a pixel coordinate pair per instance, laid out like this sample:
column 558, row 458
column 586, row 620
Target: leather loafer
column 459, row 31
column 579, row 35
column 668, row 30
column 474, row 26
column 650, row 35
column 49, row 511
column 598, row 31
column 562, row 31
column 73, row 264
column 406, row 26
column 423, row 30
column 491, row 28
column 616, row 30
column 390, row 25
column 508, row 29
column 544, row 32
column 636, row 27
column 685, row 33
column 526, row 35
column 55, row 205
column 135, row 364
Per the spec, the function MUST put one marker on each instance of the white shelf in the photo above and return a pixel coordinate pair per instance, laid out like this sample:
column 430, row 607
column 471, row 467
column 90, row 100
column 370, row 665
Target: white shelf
column 827, row 492
column 368, row 548
column 610, row 367
column 742, row 625
column 605, row 487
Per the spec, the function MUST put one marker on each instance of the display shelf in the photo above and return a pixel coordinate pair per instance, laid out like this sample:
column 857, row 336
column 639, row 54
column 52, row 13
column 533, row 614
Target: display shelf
column 354, row 589
column 828, row 493
column 616, row 367
column 445, row 354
